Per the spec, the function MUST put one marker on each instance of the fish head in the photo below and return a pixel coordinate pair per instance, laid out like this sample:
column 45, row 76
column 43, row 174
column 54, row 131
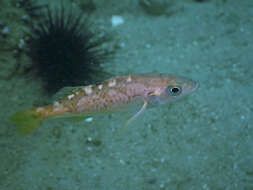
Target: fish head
column 171, row 88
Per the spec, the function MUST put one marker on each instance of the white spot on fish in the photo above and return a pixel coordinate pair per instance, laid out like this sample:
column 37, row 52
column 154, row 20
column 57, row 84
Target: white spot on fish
column 129, row 79
column 57, row 104
column 112, row 83
column 100, row 86
column 39, row 109
column 71, row 96
column 88, row 90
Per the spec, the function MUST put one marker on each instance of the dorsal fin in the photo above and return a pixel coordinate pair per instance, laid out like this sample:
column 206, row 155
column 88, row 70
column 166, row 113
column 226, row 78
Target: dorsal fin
column 66, row 91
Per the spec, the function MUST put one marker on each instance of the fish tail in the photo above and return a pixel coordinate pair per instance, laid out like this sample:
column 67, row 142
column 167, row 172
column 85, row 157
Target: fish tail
column 27, row 121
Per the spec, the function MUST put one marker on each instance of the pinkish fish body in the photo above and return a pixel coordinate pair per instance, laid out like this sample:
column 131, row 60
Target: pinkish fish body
column 112, row 95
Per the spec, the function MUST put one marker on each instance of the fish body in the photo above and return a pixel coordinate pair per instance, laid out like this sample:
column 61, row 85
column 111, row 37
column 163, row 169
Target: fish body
column 113, row 95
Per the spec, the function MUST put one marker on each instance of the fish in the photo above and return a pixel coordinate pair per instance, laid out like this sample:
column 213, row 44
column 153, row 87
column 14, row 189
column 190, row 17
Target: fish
column 111, row 96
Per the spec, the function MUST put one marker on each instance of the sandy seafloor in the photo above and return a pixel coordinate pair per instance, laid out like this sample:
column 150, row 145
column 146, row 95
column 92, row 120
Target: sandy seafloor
column 201, row 142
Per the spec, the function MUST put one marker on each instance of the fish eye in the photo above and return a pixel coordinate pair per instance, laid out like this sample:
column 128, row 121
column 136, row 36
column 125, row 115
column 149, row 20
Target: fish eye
column 174, row 90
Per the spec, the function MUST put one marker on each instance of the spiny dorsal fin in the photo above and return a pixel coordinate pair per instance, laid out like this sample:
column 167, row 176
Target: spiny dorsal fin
column 66, row 91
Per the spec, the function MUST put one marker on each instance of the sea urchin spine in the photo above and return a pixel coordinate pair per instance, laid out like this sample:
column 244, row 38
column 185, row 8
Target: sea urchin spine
column 64, row 51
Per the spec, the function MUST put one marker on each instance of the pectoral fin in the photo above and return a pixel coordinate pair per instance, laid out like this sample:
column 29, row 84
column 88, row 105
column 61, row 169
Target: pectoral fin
column 137, row 114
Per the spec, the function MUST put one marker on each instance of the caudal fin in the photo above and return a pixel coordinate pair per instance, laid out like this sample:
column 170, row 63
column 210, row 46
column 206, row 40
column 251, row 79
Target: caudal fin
column 27, row 121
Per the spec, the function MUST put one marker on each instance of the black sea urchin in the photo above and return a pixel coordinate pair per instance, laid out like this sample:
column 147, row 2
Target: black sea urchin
column 64, row 51
column 30, row 6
